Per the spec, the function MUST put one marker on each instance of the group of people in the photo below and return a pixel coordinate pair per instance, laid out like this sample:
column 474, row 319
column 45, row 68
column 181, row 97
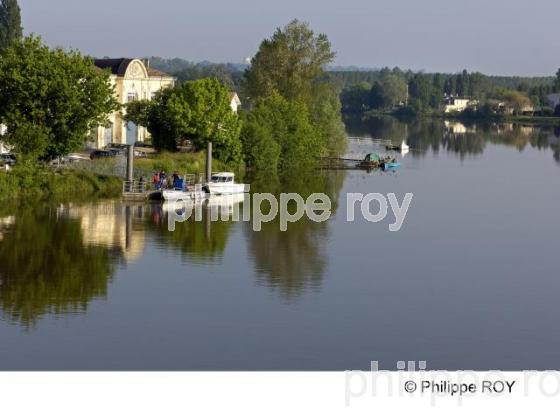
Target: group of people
column 163, row 181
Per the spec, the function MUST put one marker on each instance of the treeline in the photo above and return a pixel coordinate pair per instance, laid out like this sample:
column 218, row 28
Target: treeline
column 229, row 73
column 420, row 92
column 349, row 78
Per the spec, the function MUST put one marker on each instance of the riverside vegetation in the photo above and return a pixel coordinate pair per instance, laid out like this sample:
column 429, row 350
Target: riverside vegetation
column 50, row 98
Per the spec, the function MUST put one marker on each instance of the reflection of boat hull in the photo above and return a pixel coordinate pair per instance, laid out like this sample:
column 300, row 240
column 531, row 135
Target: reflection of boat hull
column 173, row 195
column 391, row 165
column 218, row 188
column 222, row 203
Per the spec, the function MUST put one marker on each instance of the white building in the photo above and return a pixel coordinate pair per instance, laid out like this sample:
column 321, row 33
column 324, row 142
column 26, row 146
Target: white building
column 458, row 104
column 235, row 102
column 133, row 80
column 3, row 148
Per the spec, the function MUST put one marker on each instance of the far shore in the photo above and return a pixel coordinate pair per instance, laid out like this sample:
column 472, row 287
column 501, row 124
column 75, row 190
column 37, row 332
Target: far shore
column 523, row 119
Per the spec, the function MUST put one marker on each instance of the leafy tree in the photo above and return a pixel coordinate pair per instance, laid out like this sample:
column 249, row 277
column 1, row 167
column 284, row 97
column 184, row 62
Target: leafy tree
column 517, row 101
column 278, row 134
column 393, row 90
column 557, row 80
column 50, row 99
column 290, row 63
column 10, row 22
column 420, row 89
column 198, row 111
column 356, row 98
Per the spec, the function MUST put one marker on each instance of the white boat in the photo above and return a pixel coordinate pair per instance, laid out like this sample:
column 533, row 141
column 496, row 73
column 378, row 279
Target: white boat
column 174, row 195
column 223, row 183
column 404, row 148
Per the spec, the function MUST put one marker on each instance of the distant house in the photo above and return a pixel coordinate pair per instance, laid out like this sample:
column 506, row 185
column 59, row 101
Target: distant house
column 235, row 102
column 458, row 104
column 503, row 108
column 133, row 80
column 3, row 148
column 553, row 99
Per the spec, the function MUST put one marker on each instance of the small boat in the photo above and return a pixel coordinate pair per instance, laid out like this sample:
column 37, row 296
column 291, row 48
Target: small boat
column 403, row 148
column 371, row 160
column 175, row 194
column 391, row 165
column 223, row 183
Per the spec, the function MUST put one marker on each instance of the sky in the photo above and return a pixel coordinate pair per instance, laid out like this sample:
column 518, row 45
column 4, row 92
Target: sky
column 507, row 37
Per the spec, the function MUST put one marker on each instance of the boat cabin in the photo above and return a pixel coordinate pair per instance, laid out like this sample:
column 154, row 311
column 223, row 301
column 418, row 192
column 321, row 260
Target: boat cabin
column 222, row 177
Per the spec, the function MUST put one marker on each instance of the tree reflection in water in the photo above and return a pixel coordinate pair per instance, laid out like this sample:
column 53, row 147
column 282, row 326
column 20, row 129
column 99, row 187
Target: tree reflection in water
column 46, row 268
column 294, row 260
column 463, row 138
column 199, row 241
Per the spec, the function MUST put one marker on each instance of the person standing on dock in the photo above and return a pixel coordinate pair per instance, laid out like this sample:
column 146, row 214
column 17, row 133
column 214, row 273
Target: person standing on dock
column 156, row 181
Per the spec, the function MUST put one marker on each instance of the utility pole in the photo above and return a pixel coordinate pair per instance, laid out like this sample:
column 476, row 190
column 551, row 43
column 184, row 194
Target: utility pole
column 209, row 162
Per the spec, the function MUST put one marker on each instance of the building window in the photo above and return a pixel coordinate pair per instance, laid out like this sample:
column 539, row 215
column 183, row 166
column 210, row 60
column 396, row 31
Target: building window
column 132, row 97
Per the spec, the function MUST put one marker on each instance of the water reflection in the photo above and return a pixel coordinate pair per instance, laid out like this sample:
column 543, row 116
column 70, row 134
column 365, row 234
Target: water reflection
column 199, row 241
column 463, row 138
column 56, row 260
column 294, row 260
column 48, row 267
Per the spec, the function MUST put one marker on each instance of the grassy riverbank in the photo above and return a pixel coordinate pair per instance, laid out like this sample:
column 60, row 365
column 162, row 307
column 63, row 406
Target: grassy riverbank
column 43, row 183
column 184, row 163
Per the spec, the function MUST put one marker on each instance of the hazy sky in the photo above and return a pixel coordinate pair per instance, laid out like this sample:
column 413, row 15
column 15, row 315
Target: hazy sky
column 514, row 37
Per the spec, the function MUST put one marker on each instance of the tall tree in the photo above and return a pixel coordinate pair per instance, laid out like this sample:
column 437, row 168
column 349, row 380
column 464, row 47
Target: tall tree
column 393, row 90
column 10, row 22
column 50, row 99
column 290, row 63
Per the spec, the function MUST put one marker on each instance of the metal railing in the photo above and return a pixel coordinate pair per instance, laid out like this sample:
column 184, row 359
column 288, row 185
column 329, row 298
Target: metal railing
column 135, row 187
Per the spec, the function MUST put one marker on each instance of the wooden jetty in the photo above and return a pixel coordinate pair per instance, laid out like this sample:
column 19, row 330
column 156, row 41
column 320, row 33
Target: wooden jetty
column 371, row 161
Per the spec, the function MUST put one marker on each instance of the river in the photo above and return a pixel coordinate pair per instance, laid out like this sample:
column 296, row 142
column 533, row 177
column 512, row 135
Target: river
column 470, row 281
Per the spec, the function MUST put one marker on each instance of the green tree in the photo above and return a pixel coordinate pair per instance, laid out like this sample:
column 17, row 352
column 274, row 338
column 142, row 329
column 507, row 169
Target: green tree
column 355, row 99
column 557, row 80
column 420, row 88
column 50, row 99
column 10, row 22
column 393, row 90
column 278, row 134
column 291, row 64
column 198, row 111
column 517, row 101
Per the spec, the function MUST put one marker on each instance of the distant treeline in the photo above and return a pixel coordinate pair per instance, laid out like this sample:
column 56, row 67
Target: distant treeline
column 421, row 92
column 349, row 78
column 362, row 90
column 229, row 73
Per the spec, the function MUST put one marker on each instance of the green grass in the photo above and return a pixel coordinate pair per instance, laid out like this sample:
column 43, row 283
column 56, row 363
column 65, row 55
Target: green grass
column 42, row 183
column 183, row 163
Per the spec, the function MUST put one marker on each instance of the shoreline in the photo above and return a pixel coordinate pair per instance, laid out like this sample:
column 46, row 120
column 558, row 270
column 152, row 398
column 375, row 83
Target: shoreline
column 509, row 119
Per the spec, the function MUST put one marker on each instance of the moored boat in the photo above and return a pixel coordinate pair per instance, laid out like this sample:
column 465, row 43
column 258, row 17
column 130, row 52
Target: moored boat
column 403, row 148
column 223, row 183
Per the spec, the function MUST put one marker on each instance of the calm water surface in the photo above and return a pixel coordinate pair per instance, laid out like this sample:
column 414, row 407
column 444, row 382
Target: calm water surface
column 471, row 281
